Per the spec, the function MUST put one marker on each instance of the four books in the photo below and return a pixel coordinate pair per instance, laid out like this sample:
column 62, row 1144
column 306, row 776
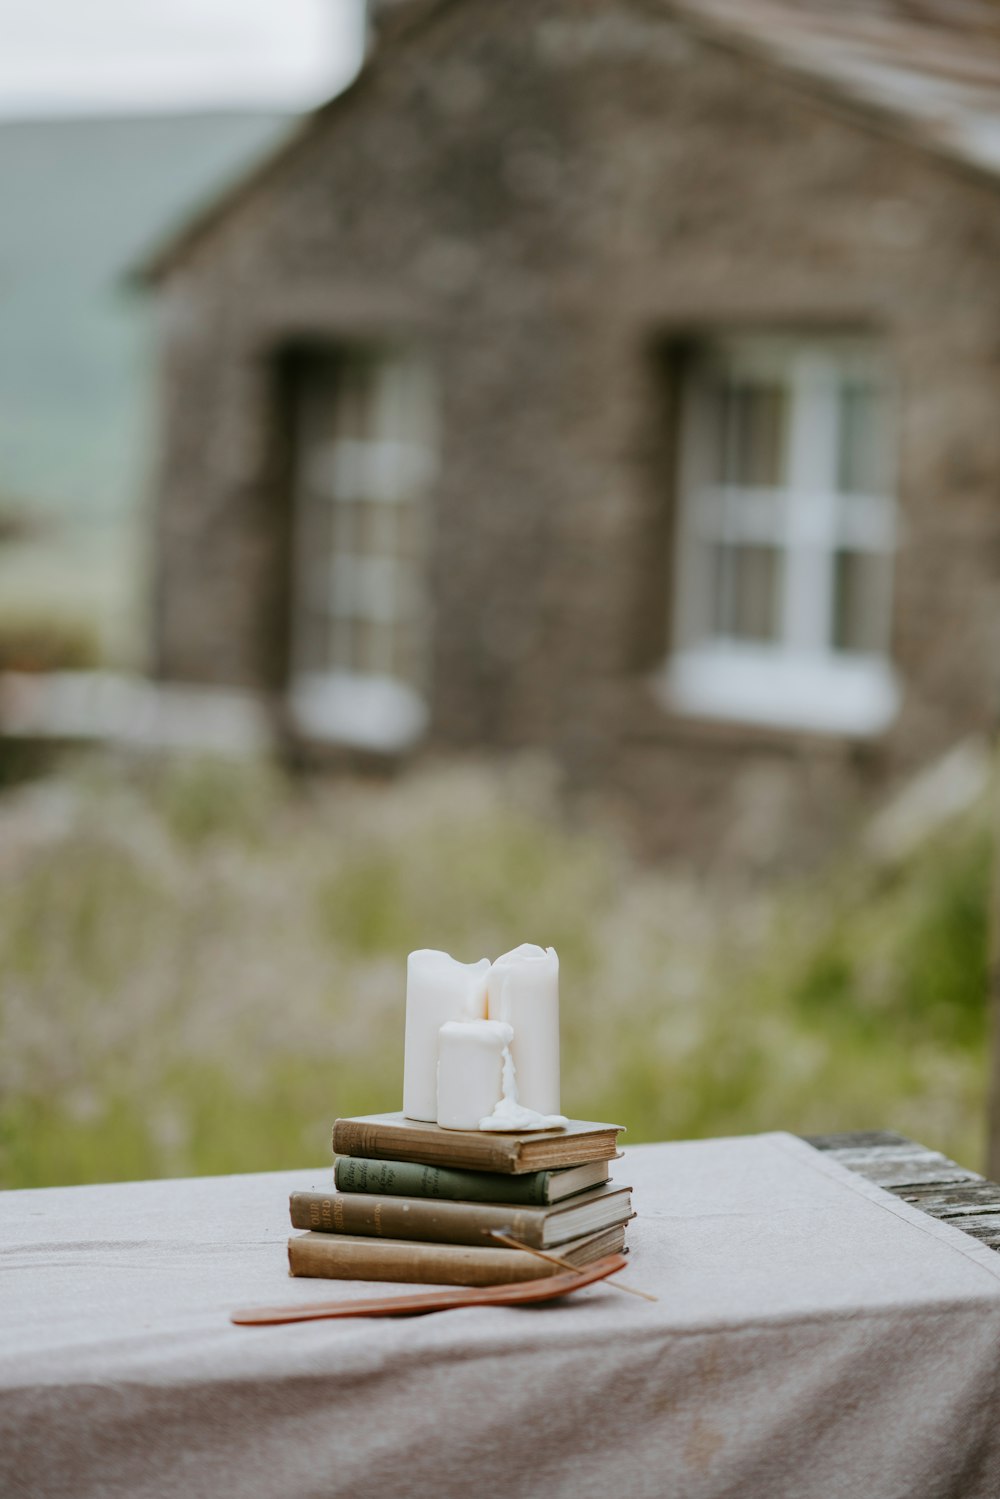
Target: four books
column 417, row 1203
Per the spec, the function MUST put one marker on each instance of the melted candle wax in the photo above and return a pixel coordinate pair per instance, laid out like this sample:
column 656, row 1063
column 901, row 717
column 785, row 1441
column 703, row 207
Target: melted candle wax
column 509, row 1114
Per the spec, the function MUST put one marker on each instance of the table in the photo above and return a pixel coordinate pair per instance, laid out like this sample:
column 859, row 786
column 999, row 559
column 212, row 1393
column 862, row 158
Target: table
column 815, row 1336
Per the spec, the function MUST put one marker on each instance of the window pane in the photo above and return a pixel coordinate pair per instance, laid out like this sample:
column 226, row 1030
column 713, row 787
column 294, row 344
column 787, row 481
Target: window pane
column 861, row 601
column 345, row 538
column 786, row 536
column 365, row 459
column 313, row 626
column 340, row 634
column 862, row 457
column 747, row 593
column 408, row 535
column 407, row 653
column 370, row 654
column 351, row 404
column 377, row 529
column 317, row 539
column 750, row 440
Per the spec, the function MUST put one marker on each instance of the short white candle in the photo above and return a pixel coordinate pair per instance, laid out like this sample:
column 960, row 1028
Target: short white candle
column 470, row 1071
column 524, row 994
column 438, row 988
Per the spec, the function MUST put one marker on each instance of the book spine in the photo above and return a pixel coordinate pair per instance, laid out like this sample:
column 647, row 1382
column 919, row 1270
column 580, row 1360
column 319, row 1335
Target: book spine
column 413, row 1218
column 482, row 1152
column 332, row 1257
column 409, row 1179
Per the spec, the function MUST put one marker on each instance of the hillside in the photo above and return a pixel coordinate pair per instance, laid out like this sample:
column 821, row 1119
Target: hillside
column 83, row 200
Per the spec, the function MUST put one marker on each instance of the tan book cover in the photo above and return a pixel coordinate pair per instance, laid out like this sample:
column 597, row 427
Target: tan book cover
column 348, row 1257
column 393, row 1137
column 445, row 1222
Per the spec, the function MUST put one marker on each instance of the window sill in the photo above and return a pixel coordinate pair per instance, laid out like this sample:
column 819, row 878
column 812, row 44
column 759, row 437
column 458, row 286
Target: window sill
column 854, row 697
column 361, row 712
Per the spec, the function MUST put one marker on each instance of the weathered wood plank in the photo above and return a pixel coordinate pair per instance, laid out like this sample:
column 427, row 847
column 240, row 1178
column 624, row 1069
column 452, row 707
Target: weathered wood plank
column 985, row 1229
column 904, row 1166
column 858, row 1139
column 954, row 1202
column 924, row 1178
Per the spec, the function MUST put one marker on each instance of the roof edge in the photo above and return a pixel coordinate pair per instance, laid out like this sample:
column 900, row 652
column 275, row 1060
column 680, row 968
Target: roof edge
column 836, row 90
column 394, row 27
column 397, row 23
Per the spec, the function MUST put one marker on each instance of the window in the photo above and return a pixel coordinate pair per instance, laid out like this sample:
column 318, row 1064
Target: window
column 786, row 532
column 364, row 459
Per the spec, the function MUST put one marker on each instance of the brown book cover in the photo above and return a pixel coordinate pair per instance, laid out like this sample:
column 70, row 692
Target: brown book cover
column 393, row 1137
column 347, row 1257
column 445, row 1222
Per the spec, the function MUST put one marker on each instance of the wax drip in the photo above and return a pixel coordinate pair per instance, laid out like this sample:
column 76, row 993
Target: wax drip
column 509, row 1114
column 509, row 1077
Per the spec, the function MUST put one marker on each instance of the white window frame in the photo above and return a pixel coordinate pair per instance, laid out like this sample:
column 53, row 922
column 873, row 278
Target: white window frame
column 799, row 680
column 373, row 710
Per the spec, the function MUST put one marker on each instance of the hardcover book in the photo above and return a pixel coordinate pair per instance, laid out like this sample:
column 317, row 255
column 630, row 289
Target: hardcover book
column 347, row 1257
column 459, row 1222
column 393, row 1137
column 411, row 1179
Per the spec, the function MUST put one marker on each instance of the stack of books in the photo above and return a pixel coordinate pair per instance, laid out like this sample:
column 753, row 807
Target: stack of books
column 415, row 1202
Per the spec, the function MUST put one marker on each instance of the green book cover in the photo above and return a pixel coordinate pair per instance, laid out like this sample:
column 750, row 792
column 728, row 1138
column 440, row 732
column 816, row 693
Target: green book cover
column 407, row 1179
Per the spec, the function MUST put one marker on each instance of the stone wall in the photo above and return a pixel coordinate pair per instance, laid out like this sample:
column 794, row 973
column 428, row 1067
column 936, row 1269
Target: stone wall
column 545, row 208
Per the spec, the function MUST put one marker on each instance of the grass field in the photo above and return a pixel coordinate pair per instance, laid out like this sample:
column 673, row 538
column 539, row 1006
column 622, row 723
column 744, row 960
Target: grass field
column 201, row 966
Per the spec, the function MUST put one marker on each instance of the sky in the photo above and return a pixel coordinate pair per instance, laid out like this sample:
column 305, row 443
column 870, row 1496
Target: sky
column 71, row 57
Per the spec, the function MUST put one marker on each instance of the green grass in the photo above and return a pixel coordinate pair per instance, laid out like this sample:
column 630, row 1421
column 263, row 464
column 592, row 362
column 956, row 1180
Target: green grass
column 200, row 967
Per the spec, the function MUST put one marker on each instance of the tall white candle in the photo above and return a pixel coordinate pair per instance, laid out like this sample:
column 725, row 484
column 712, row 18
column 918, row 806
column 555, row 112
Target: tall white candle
column 438, row 988
column 470, row 1071
column 524, row 994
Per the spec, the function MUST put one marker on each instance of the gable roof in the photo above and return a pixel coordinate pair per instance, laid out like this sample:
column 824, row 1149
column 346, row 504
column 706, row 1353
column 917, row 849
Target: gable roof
column 926, row 70
column 390, row 23
column 930, row 69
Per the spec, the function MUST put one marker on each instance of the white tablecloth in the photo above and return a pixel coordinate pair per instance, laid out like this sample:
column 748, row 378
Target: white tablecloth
column 813, row 1337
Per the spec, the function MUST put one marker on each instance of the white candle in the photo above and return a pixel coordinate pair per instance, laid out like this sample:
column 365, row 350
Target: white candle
column 524, row 994
column 438, row 988
column 470, row 1071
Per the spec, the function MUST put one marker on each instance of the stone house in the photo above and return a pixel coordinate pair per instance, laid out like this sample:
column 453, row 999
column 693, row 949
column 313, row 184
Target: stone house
column 620, row 377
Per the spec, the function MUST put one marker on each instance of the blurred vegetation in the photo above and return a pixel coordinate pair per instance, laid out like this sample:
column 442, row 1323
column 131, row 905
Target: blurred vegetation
column 201, row 966
column 47, row 643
